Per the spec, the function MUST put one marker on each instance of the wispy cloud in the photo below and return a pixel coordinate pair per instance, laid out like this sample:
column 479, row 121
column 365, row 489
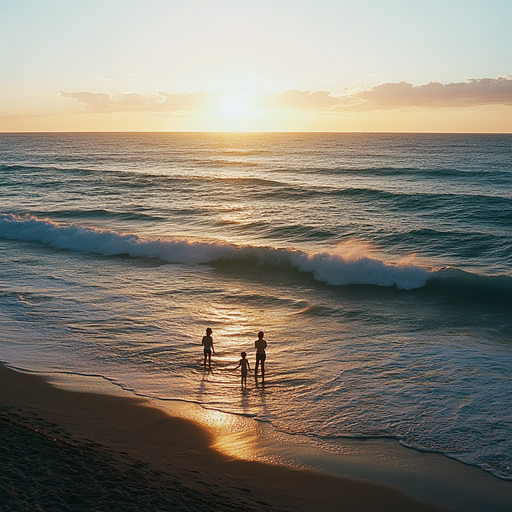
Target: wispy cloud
column 400, row 95
column 166, row 102
column 133, row 102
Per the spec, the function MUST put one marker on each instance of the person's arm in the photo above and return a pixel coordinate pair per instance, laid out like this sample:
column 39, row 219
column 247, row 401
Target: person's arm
column 213, row 350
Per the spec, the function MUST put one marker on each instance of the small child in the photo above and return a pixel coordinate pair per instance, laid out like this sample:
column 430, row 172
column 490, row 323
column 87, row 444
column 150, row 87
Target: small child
column 244, row 365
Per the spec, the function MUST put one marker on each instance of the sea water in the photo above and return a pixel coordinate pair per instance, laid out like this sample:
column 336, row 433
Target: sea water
column 379, row 267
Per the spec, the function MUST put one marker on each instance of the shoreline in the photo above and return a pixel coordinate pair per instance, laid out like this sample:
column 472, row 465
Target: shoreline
column 190, row 451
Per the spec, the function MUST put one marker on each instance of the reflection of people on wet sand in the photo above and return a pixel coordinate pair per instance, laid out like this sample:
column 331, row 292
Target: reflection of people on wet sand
column 208, row 347
column 243, row 364
column 260, row 345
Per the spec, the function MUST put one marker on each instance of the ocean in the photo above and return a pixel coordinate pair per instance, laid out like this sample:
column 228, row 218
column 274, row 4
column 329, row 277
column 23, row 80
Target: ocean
column 379, row 267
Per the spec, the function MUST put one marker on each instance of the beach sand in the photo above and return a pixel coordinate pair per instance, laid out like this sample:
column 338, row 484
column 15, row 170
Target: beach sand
column 66, row 450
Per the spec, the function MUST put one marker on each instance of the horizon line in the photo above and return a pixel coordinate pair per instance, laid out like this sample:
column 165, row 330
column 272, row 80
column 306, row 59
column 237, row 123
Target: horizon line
column 256, row 132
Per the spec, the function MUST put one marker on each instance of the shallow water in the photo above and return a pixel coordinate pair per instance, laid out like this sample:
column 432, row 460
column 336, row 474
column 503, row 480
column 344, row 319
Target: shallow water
column 379, row 267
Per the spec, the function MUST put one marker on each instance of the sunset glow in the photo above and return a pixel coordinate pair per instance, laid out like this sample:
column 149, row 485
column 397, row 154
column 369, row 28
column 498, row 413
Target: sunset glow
column 266, row 66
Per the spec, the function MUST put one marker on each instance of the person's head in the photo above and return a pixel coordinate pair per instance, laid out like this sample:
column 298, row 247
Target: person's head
column 260, row 335
column 208, row 331
column 244, row 355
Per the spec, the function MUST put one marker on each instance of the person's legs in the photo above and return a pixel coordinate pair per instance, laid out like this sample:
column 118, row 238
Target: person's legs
column 263, row 368
column 256, row 367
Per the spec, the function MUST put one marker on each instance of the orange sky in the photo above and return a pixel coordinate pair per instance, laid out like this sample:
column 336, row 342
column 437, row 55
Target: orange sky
column 328, row 65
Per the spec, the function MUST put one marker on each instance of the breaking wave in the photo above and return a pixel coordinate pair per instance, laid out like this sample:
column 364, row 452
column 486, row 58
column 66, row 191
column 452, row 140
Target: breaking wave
column 331, row 268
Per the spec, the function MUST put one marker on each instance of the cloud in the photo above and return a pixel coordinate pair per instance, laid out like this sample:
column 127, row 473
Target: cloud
column 474, row 92
column 133, row 102
column 166, row 102
column 400, row 95
column 184, row 102
column 299, row 100
column 99, row 101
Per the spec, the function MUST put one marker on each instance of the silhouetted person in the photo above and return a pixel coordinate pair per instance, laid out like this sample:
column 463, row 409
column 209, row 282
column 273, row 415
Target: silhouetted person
column 208, row 347
column 243, row 364
column 260, row 345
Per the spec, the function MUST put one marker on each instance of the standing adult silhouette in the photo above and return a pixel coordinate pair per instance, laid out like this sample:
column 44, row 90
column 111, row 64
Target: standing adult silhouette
column 260, row 345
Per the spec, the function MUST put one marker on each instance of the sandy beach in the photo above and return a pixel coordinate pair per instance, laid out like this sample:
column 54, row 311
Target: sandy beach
column 64, row 450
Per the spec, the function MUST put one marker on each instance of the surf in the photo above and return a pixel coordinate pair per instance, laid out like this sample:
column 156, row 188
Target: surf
column 328, row 267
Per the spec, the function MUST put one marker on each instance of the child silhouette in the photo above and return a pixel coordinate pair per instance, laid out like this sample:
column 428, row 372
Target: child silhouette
column 243, row 364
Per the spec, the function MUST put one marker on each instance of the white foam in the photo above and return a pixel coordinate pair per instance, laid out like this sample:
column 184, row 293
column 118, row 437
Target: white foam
column 331, row 268
column 337, row 270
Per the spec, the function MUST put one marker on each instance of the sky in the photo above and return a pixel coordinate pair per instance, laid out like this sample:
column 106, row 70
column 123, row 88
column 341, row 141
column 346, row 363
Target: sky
column 256, row 65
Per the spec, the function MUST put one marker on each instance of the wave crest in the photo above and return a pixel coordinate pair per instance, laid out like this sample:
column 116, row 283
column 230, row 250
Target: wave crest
column 331, row 268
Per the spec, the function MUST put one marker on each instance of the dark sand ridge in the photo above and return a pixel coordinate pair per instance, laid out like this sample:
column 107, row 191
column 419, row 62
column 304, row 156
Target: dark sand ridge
column 64, row 450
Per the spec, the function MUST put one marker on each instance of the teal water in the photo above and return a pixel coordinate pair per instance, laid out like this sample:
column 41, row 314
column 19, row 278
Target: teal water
column 379, row 267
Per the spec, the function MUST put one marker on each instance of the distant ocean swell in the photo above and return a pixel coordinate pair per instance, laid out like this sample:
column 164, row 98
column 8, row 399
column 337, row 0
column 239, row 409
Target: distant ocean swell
column 98, row 213
column 492, row 175
column 496, row 208
column 326, row 267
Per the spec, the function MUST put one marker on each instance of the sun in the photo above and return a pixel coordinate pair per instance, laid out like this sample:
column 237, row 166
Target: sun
column 234, row 112
column 234, row 105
